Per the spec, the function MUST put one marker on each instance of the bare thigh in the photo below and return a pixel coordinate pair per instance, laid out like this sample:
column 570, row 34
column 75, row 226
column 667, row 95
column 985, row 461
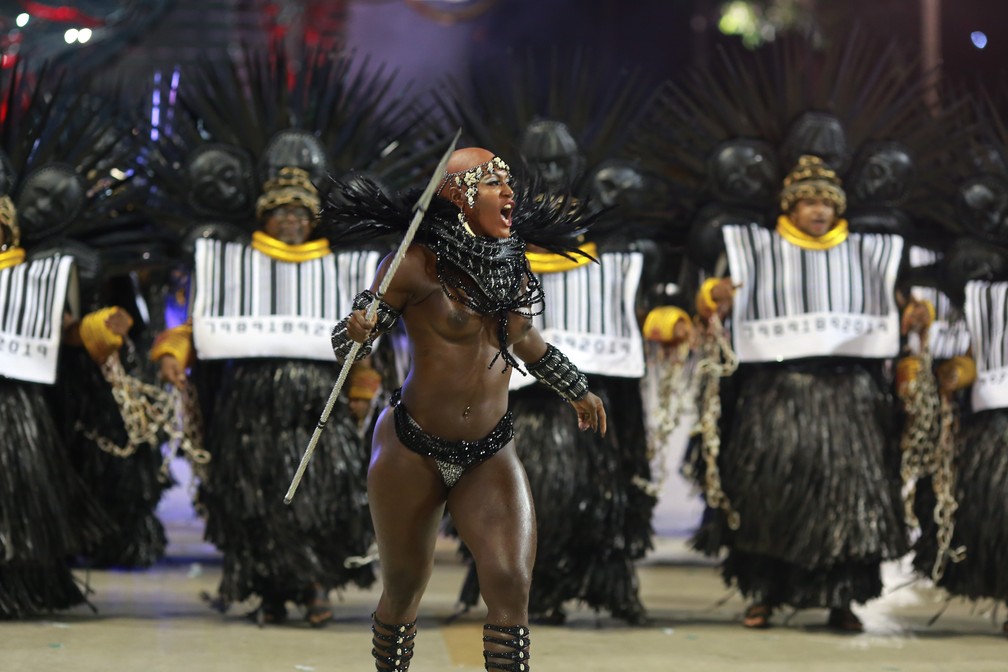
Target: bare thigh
column 407, row 499
column 492, row 509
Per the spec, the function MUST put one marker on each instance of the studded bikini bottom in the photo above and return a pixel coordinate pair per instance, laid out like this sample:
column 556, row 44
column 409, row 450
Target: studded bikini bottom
column 452, row 457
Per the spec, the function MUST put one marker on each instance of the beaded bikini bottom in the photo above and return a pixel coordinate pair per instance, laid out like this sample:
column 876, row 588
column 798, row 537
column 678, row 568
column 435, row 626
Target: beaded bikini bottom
column 452, row 457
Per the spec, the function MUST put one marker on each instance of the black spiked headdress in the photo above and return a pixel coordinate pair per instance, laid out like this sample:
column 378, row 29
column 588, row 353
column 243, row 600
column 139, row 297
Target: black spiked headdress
column 725, row 136
column 67, row 160
column 563, row 118
column 561, row 89
column 235, row 123
column 66, row 154
column 974, row 199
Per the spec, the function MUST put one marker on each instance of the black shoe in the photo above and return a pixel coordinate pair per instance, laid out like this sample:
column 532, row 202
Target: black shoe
column 269, row 612
column 318, row 610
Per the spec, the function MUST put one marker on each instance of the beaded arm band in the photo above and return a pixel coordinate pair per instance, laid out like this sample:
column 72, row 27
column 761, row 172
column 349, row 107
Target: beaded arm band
column 386, row 319
column 559, row 374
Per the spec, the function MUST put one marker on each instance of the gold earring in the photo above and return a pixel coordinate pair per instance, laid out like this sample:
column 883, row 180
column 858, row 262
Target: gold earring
column 465, row 224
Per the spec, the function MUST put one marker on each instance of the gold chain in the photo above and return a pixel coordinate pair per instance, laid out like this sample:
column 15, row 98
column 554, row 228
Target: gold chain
column 718, row 360
column 943, row 481
column 924, row 454
column 185, row 431
column 141, row 407
column 674, row 388
column 148, row 412
column 921, row 402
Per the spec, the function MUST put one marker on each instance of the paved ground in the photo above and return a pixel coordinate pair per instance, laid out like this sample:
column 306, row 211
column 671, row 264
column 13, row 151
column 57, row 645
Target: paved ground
column 153, row 621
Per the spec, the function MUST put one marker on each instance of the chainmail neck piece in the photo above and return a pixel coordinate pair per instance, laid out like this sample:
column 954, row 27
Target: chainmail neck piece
column 490, row 276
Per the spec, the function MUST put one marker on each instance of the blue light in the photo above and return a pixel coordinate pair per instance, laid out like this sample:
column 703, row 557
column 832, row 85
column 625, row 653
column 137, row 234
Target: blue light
column 979, row 39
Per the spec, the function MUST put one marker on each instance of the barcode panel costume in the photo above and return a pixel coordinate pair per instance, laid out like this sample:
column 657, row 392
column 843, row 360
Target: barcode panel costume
column 591, row 316
column 811, row 421
column 794, row 303
column 987, row 317
column 587, row 552
column 247, row 304
column 34, row 294
column 807, row 441
column 949, row 335
column 54, row 156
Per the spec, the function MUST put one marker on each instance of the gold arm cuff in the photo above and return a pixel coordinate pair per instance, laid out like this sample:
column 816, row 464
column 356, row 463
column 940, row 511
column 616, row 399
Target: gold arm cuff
column 966, row 368
column 705, row 303
column 11, row 257
column 660, row 323
column 176, row 342
column 907, row 370
column 98, row 340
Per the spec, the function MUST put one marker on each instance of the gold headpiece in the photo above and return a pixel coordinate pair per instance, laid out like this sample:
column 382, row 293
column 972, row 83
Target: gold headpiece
column 291, row 185
column 812, row 178
column 469, row 178
column 8, row 220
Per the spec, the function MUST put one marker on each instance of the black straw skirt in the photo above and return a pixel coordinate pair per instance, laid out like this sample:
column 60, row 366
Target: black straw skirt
column 810, row 461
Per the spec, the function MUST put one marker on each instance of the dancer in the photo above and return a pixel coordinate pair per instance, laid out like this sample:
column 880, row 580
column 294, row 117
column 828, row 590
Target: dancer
column 257, row 345
column 465, row 294
column 797, row 450
column 48, row 514
column 262, row 411
column 963, row 520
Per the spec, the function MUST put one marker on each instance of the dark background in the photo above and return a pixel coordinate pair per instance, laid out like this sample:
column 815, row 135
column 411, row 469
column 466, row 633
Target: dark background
column 427, row 39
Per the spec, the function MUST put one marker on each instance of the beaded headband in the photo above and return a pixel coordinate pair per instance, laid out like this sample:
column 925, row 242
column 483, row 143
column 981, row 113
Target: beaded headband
column 291, row 186
column 812, row 178
column 469, row 178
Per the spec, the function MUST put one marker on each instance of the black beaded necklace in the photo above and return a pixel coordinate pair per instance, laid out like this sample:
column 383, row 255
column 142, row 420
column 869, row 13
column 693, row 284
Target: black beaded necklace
column 490, row 276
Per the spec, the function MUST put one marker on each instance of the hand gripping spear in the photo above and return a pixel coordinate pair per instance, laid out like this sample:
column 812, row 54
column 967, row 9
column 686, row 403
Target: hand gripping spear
column 419, row 210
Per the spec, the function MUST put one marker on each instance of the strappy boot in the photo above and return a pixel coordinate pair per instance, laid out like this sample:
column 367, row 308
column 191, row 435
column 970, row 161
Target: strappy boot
column 506, row 647
column 393, row 644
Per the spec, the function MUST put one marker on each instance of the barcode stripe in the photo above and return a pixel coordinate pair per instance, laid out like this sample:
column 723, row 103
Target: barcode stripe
column 28, row 294
column 851, row 278
column 591, row 299
column 239, row 281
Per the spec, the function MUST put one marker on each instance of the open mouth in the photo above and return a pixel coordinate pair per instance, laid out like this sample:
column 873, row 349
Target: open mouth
column 506, row 213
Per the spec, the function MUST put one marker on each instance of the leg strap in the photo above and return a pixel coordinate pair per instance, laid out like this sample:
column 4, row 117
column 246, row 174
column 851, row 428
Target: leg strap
column 393, row 645
column 506, row 647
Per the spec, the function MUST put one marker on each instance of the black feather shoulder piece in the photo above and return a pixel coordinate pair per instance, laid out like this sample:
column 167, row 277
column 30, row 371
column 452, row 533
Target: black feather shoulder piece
column 491, row 276
column 360, row 211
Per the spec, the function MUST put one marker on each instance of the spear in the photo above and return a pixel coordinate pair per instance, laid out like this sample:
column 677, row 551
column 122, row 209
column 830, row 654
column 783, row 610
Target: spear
column 419, row 210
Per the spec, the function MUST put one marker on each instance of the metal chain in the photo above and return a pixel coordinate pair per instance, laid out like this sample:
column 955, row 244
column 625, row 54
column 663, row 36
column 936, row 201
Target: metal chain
column 676, row 384
column 718, row 361
column 925, row 454
column 943, row 482
column 141, row 406
column 148, row 412
column 922, row 405
column 185, row 431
